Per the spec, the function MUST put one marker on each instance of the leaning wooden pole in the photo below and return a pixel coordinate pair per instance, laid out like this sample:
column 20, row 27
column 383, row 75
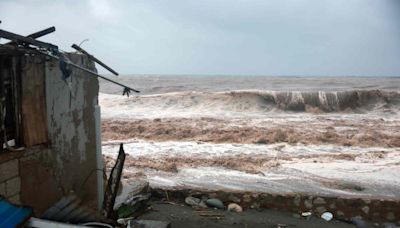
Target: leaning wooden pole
column 76, row 47
column 113, row 183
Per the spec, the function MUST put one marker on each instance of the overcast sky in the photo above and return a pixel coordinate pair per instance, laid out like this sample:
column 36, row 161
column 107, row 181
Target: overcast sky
column 240, row 37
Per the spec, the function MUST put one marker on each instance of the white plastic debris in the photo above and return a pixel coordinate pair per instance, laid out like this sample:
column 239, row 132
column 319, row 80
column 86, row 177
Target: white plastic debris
column 306, row 214
column 327, row 216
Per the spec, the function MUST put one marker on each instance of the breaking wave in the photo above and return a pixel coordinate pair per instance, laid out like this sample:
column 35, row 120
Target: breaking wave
column 267, row 101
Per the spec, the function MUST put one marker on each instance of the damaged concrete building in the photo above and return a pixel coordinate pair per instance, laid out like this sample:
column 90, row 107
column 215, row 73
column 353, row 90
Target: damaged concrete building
column 50, row 130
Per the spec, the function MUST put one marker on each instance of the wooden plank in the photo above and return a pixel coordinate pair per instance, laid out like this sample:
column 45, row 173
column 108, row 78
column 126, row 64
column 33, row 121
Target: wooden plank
column 33, row 102
column 37, row 34
column 28, row 40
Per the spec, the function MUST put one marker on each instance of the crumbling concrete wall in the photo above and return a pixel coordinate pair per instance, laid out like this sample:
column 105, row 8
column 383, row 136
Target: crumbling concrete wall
column 69, row 163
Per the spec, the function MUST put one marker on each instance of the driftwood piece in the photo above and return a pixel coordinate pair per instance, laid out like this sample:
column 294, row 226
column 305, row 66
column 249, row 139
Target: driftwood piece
column 113, row 184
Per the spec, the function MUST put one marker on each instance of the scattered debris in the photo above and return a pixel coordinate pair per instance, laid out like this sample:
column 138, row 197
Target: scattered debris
column 209, row 213
column 215, row 203
column 327, row 216
column 235, row 207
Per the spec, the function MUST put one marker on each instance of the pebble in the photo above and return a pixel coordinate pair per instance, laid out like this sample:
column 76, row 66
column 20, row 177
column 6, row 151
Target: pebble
column 308, row 204
column 235, row 207
column 390, row 216
column 358, row 222
column 234, row 199
column 215, row 203
column 319, row 201
column 389, row 225
column 297, row 200
column 327, row 216
column 365, row 209
column 192, row 201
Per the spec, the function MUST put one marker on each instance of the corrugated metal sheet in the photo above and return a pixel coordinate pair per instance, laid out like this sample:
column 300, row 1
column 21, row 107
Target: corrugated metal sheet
column 69, row 209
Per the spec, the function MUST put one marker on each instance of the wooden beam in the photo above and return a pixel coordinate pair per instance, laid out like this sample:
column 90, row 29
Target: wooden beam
column 76, row 47
column 28, row 40
column 37, row 34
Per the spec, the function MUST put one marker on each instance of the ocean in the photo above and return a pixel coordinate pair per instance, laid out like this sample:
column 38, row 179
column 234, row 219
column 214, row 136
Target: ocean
column 263, row 134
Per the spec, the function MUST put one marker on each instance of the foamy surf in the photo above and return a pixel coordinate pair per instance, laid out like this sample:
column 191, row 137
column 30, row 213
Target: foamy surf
column 255, row 102
column 238, row 134
column 276, row 168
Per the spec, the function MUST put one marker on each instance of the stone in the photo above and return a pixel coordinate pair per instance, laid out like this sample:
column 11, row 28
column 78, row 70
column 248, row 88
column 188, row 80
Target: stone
column 203, row 204
column 307, row 215
column 8, row 170
column 367, row 201
column 13, row 186
column 235, row 207
column 320, row 210
column 308, row 204
column 358, row 222
column 192, row 201
column 215, row 203
column 390, row 216
column 365, row 209
column 246, row 198
column 297, row 200
column 327, row 216
column 255, row 205
column 319, row 201
column 340, row 213
column 233, row 198
column 213, row 195
column 389, row 225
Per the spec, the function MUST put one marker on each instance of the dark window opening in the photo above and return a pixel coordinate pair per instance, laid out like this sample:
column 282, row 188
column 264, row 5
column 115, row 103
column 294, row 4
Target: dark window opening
column 9, row 102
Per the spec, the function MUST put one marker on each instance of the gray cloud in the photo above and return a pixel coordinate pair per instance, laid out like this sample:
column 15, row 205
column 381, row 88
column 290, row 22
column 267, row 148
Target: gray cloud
column 290, row 37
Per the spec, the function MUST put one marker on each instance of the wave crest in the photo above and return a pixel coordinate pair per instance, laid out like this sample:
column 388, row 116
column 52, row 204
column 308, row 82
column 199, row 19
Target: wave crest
column 267, row 101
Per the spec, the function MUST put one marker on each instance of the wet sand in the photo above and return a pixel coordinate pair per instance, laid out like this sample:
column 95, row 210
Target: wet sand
column 183, row 217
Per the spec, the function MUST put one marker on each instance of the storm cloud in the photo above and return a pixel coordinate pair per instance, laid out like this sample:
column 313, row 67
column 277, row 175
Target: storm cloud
column 234, row 37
